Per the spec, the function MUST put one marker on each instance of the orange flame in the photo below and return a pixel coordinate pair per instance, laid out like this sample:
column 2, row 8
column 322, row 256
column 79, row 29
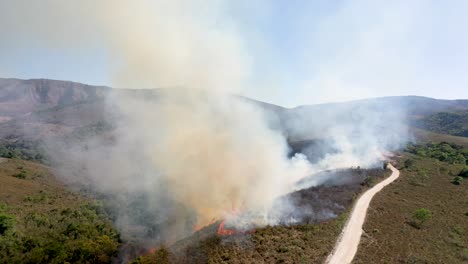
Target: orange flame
column 199, row 227
column 222, row 231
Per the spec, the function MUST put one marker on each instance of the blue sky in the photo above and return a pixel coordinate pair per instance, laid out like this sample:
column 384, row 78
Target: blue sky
column 285, row 52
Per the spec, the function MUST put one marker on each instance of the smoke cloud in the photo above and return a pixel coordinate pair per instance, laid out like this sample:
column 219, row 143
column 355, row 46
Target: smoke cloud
column 150, row 43
column 192, row 152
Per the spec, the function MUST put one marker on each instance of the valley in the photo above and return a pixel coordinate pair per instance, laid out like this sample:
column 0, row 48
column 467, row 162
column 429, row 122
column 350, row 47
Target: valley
column 51, row 215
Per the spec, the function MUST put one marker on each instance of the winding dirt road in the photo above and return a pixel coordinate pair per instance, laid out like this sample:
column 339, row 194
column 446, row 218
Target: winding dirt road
column 347, row 244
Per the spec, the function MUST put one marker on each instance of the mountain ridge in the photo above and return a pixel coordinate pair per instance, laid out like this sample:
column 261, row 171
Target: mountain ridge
column 37, row 108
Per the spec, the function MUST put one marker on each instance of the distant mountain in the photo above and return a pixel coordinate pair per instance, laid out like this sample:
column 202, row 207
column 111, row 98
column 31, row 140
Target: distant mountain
column 40, row 108
column 24, row 96
column 414, row 106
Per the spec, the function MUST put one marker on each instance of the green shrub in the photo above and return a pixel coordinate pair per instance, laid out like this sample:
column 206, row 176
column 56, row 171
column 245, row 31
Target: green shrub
column 21, row 175
column 6, row 223
column 369, row 181
column 443, row 151
column 420, row 216
column 78, row 235
column 457, row 180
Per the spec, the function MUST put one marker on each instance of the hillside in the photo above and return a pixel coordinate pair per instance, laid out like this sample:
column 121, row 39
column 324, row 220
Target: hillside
column 322, row 211
column 38, row 210
column 41, row 221
column 450, row 123
column 18, row 97
column 425, row 136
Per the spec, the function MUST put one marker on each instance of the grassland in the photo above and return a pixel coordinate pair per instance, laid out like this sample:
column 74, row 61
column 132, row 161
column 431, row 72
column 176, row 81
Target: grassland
column 423, row 136
column 301, row 243
column 308, row 243
column 396, row 232
column 42, row 222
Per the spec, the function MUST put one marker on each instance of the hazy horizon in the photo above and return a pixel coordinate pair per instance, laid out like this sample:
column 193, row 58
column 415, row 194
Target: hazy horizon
column 294, row 106
column 289, row 54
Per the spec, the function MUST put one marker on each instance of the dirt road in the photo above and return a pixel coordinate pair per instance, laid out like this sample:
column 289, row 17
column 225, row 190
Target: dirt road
column 347, row 244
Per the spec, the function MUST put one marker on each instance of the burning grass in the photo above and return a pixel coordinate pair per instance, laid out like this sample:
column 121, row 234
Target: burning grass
column 308, row 239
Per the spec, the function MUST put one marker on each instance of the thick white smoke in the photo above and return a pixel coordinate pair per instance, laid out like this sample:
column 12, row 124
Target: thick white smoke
column 214, row 152
column 193, row 152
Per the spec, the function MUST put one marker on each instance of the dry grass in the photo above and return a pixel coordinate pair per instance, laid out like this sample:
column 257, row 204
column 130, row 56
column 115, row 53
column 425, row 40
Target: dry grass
column 13, row 189
column 306, row 243
column 426, row 136
column 309, row 243
column 389, row 236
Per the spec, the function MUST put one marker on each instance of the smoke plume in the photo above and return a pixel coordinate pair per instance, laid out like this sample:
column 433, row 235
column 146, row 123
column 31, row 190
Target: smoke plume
column 191, row 152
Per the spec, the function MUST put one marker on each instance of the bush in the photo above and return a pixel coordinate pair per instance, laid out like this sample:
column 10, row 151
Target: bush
column 22, row 175
column 409, row 163
column 420, row 216
column 457, row 180
column 443, row 151
column 369, row 181
column 6, row 223
column 78, row 235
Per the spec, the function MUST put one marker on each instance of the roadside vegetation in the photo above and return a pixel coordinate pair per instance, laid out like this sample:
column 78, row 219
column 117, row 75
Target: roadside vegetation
column 42, row 222
column 423, row 216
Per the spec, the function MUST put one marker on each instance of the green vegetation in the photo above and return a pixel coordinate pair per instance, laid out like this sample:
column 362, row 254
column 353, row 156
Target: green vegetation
column 6, row 223
column 457, row 180
column 22, row 149
column 70, row 235
column 443, row 151
column 451, row 123
column 421, row 217
column 21, row 175
column 41, row 222
column 420, row 178
column 370, row 181
column 83, row 132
